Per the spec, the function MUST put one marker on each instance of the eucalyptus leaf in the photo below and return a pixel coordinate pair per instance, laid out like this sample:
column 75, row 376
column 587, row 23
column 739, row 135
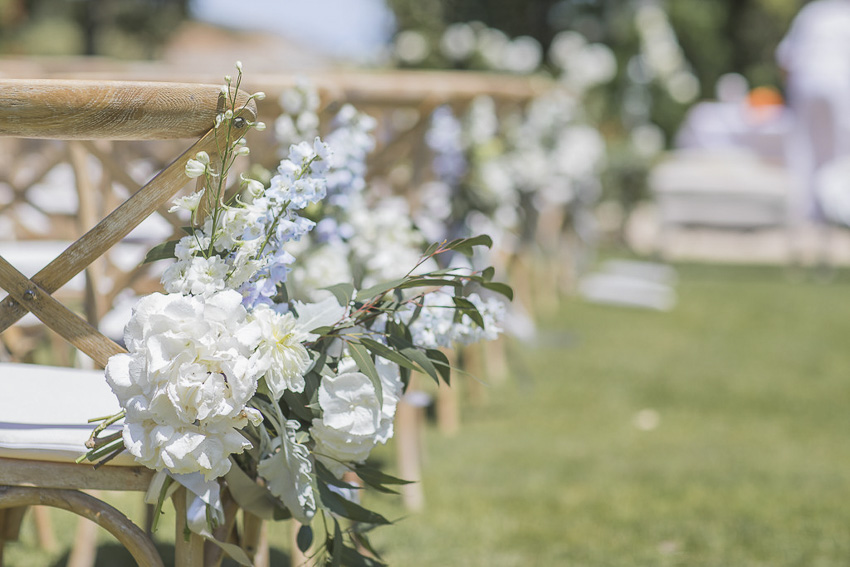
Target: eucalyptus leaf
column 379, row 289
column 423, row 361
column 304, row 539
column 336, row 548
column 353, row 558
column 499, row 287
column 488, row 273
column 465, row 245
column 372, row 476
column 161, row 251
column 367, row 366
column 348, row 509
column 441, row 362
column 343, row 292
column 430, row 282
column 468, row 308
column 386, row 352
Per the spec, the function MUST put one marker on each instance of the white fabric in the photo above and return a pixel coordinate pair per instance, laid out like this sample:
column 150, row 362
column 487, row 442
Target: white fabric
column 44, row 411
column 816, row 55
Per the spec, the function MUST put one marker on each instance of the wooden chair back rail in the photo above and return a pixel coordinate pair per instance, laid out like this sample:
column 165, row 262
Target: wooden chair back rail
column 115, row 110
column 85, row 110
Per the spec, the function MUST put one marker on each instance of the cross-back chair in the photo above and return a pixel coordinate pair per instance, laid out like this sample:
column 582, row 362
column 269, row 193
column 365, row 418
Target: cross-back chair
column 43, row 410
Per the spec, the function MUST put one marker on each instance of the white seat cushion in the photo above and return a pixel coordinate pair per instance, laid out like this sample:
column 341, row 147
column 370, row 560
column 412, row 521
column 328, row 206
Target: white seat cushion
column 44, row 412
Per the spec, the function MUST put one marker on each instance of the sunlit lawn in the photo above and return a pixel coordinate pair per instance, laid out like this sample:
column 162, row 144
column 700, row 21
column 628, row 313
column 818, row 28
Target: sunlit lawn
column 749, row 463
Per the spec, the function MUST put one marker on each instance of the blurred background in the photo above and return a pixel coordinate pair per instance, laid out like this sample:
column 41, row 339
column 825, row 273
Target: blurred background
column 670, row 388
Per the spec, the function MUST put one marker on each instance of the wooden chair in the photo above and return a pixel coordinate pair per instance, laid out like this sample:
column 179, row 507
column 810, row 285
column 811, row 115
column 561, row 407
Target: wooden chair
column 37, row 449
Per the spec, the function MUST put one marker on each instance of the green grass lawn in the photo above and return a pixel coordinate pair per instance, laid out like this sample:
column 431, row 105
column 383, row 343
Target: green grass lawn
column 748, row 464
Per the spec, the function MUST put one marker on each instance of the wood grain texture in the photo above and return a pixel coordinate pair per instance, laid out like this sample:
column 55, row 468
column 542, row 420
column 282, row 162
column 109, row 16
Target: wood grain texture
column 52, row 313
column 46, row 474
column 115, row 110
column 109, row 231
column 140, row 546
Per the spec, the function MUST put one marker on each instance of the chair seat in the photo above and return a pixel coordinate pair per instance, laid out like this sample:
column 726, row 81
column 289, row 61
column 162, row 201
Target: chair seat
column 44, row 412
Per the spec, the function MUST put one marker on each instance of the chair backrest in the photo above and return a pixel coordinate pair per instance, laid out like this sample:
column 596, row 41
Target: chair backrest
column 91, row 110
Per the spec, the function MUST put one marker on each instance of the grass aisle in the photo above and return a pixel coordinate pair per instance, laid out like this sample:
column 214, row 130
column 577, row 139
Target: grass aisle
column 748, row 463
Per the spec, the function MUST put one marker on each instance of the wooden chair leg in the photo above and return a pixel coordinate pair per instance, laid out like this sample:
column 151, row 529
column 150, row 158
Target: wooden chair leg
column 44, row 528
column 255, row 539
column 188, row 546
column 126, row 532
column 84, row 550
column 408, row 440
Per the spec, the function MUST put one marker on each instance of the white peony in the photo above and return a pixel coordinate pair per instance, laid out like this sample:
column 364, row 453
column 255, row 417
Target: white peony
column 186, row 380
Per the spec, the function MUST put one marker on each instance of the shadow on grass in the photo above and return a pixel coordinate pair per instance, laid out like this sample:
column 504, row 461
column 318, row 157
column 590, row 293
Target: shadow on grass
column 115, row 555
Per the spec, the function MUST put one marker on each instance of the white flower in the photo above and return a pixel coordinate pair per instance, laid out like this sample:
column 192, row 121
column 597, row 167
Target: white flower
column 186, row 380
column 351, row 415
column 188, row 203
column 281, row 353
column 197, row 276
column 198, row 165
column 288, row 474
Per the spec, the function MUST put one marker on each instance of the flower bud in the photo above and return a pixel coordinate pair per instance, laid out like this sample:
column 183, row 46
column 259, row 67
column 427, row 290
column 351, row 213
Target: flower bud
column 194, row 168
column 260, row 126
column 239, row 66
column 260, row 95
column 228, row 114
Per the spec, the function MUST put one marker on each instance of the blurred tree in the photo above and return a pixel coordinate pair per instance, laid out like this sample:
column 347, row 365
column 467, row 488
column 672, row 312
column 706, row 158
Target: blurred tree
column 117, row 28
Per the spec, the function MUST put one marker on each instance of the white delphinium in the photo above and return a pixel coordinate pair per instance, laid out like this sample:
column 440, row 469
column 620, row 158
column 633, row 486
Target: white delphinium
column 435, row 326
column 411, row 47
column 185, row 381
column 299, row 120
column 351, row 141
column 492, row 44
column 385, row 242
column 458, row 42
column 522, row 55
column 481, row 124
column 324, row 266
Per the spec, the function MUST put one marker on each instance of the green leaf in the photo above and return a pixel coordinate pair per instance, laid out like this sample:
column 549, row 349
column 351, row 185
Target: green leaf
column 466, row 307
column 161, row 251
column 367, row 367
column 430, row 282
column 386, row 352
column 465, row 245
column 353, row 558
column 336, row 548
column 433, row 247
column 375, row 478
column 498, row 287
column 423, row 361
column 343, row 292
column 299, row 405
column 377, row 290
column 441, row 362
column 488, row 273
column 348, row 509
column 304, row 539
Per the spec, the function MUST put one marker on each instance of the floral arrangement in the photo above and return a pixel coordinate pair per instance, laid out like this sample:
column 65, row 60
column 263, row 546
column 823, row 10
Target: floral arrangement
column 229, row 381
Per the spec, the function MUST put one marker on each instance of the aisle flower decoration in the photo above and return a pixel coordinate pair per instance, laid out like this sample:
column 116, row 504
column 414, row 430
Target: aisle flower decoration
column 229, row 382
